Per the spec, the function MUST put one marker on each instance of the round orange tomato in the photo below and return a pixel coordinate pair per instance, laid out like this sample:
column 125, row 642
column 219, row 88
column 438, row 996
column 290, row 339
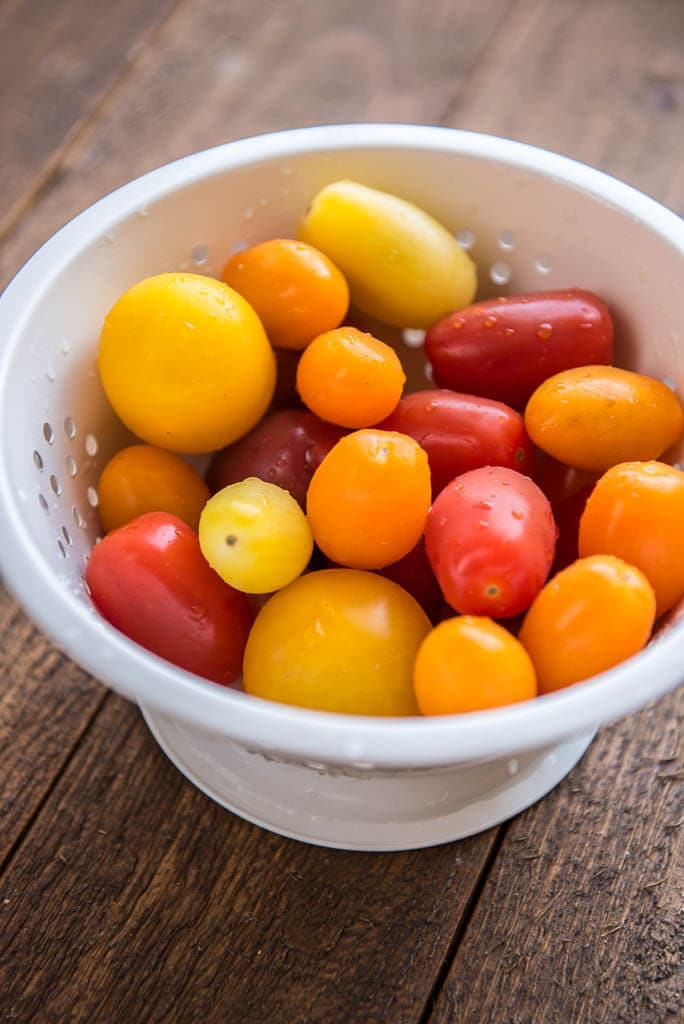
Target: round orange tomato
column 588, row 618
column 470, row 664
column 142, row 479
column 350, row 378
column 593, row 417
column 296, row 291
column 368, row 500
column 636, row 511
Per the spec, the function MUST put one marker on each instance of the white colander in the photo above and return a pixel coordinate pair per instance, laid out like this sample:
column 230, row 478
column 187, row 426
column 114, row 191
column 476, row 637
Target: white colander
column 532, row 220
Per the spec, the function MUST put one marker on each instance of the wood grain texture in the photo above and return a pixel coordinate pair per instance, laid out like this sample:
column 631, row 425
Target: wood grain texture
column 220, row 71
column 58, row 61
column 136, row 898
column 580, row 920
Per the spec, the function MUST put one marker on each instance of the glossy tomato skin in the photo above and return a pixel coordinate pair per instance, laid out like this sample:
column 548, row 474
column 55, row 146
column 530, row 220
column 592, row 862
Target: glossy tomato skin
column 414, row 573
column 490, row 538
column 284, row 449
column 505, row 348
column 462, row 432
column 150, row 580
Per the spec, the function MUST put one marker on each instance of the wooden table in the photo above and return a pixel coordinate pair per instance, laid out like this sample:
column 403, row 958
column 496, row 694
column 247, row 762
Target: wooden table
column 126, row 895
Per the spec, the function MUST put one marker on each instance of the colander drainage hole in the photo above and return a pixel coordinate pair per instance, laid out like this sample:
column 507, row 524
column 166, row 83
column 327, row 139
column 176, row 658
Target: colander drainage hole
column 91, row 444
column 38, row 460
column 543, row 264
column 429, row 375
column 77, row 517
column 91, row 495
column 71, row 467
column 507, row 241
column 199, row 255
column 413, row 337
column 500, row 272
column 466, row 238
column 42, row 501
column 48, row 433
column 69, row 427
column 55, row 485
column 67, row 536
column 61, row 549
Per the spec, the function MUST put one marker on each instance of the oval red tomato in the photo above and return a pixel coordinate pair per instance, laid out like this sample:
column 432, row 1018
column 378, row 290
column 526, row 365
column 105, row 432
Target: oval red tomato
column 490, row 538
column 505, row 348
column 150, row 580
column 284, row 449
column 462, row 432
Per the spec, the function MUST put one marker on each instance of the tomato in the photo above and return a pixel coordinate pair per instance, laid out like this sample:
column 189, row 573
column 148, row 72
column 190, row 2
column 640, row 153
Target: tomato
column 296, row 291
column 284, row 449
column 462, row 432
column 593, row 417
column 591, row 616
column 185, row 362
column 403, row 267
column 142, row 479
column 414, row 573
column 369, row 499
column 285, row 395
column 471, row 664
column 350, row 378
column 504, row 348
column 150, row 580
column 558, row 481
column 636, row 512
column 567, row 516
column 337, row 640
column 490, row 538
column 255, row 536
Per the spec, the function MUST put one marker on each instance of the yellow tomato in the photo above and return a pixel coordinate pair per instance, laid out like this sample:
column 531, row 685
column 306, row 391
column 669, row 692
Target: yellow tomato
column 185, row 362
column 592, row 417
column 142, row 479
column 401, row 265
column 337, row 640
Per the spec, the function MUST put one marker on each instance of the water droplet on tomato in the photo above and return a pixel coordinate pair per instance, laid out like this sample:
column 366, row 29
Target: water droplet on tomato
column 484, row 504
column 490, row 321
column 197, row 612
column 509, row 331
column 544, row 331
column 517, row 514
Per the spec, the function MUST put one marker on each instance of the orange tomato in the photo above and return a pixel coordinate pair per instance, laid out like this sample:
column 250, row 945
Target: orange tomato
column 636, row 511
column 368, row 500
column 142, row 479
column 591, row 616
column 593, row 417
column 296, row 291
column 350, row 378
column 470, row 664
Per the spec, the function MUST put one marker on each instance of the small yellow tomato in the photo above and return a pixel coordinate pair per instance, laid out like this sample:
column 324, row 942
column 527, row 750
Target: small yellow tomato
column 337, row 640
column 185, row 362
column 255, row 536
column 592, row 417
column 142, row 479
column 402, row 266
column 471, row 663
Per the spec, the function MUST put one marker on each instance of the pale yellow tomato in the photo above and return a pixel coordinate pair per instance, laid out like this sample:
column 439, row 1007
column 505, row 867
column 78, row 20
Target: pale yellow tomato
column 402, row 266
column 185, row 362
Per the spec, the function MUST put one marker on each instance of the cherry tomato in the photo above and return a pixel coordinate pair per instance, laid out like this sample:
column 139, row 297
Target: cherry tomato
column 591, row 616
column 593, row 417
column 284, row 449
column 462, row 432
column 504, row 348
column 350, row 378
column 337, row 640
column 369, row 498
column 296, row 290
column 490, row 538
column 285, row 395
column 471, row 664
column 558, row 481
column 403, row 267
column 185, row 362
column 142, row 479
column 255, row 536
column 567, row 516
column 150, row 580
column 414, row 573
column 636, row 512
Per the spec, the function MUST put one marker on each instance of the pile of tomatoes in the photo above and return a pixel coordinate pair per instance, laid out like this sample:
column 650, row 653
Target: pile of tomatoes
column 505, row 534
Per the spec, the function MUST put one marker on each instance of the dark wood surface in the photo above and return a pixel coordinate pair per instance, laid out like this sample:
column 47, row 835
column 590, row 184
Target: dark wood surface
column 126, row 895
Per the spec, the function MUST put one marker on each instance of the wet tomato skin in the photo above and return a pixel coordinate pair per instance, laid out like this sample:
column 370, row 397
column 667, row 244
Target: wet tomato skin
column 505, row 348
column 490, row 538
column 150, row 580
column 462, row 432
column 284, row 449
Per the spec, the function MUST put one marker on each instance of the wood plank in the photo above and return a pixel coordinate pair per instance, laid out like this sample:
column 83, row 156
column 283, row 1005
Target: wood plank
column 58, row 61
column 220, row 71
column 46, row 704
column 136, row 898
column 580, row 919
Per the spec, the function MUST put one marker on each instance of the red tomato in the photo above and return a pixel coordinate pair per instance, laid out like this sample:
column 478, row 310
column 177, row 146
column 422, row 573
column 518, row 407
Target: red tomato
column 567, row 516
column 414, row 573
column 284, row 449
column 504, row 348
column 558, row 481
column 150, row 580
column 490, row 538
column 462, row 432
